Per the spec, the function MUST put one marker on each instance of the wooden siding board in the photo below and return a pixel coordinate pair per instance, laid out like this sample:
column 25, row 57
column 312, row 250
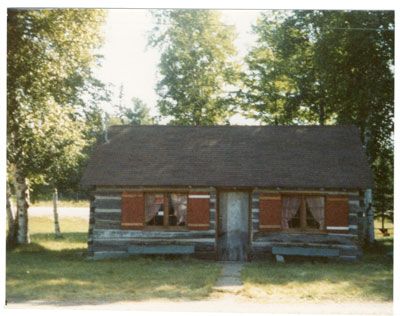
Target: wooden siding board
column 104, row 197
column 161, row 249
column 107, row 224
column 110, row 233
column 212, row 215
column 255, row 204
column 268, row 244
column 204, row 247
column 90, row 230
column 107, row 203
column 99, row 210
column 298, row 237
column 350, row 252
column 109, row 216
column 109, row 193
column 302, row 251
column 101, row 246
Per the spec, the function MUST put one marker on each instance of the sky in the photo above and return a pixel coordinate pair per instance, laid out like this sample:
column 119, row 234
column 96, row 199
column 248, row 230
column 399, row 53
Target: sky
column 130, row 62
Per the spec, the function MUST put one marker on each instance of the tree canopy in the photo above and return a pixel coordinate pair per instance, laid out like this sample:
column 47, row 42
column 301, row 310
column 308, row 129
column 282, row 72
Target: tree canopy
column 196, row 66
column 137, row 113
column 50, row 56
column 328, row 67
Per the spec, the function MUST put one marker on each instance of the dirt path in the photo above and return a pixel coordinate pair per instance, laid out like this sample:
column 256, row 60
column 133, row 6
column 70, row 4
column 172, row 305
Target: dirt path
column 227, row 303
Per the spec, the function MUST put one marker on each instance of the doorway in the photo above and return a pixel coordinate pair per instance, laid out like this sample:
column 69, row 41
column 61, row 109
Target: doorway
column 233, row 226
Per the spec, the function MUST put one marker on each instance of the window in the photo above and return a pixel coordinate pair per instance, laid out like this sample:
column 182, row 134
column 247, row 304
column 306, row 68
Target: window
column 303, row 212
column 165, row 209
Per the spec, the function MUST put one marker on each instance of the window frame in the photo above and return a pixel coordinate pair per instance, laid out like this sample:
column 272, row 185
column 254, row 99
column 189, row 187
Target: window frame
column 303, row 213
column 165, row 225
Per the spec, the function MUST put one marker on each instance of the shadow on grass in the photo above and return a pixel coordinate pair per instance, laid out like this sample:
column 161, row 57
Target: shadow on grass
column 67, row 275
column 371, row 278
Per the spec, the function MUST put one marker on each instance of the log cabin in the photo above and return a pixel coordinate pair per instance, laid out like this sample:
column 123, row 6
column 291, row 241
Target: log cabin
column 229, row 193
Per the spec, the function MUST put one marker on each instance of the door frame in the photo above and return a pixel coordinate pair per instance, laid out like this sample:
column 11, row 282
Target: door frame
column 250, row 217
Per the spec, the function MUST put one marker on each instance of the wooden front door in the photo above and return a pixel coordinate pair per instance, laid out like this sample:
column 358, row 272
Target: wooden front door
column 233, row 226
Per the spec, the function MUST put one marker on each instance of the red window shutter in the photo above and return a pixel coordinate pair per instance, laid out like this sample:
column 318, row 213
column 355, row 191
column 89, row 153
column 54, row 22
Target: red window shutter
column 337, row 214
column 198, row 216
column 132, row 210
column 270, row 218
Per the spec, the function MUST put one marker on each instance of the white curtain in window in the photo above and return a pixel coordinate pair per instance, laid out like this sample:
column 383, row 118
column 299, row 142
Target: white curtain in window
column 290, row 205
column 151, row 206
column 179, row 203
column 316, row 205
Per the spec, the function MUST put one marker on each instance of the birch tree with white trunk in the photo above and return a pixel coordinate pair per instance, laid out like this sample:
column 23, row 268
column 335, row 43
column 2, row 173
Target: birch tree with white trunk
column 50, row 56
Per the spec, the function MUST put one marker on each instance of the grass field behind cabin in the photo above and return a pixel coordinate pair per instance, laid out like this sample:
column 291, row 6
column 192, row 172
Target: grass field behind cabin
column 62, row 203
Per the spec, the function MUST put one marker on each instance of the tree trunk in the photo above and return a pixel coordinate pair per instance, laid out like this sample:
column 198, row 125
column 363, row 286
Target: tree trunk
column 12, row 222
column 56, row 223
column 10, row 211
column 20, row 182
column 321, row 114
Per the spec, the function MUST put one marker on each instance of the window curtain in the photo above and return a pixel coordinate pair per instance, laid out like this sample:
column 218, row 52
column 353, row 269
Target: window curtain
column 152, row 207
column 290, row 205
column 179, row 203
column 316, row 206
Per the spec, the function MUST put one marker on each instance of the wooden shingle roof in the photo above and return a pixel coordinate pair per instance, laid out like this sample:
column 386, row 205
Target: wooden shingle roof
column 240, row 156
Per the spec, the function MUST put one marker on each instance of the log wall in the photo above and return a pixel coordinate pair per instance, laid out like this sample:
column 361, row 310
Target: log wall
column 348, row 244
column 106, row 239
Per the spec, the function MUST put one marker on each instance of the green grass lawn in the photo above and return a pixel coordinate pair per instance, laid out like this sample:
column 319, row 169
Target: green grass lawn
column 52, row 269
column 370, row 279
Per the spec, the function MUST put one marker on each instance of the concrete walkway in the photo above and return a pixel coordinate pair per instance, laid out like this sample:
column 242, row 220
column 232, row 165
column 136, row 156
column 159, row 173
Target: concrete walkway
column 229, row 281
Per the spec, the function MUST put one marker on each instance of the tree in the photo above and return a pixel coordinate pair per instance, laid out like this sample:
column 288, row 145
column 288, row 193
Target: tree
column 270, row 94
column 137, row 114
column 196, row 66
column 50, row 54
column 329, row 67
